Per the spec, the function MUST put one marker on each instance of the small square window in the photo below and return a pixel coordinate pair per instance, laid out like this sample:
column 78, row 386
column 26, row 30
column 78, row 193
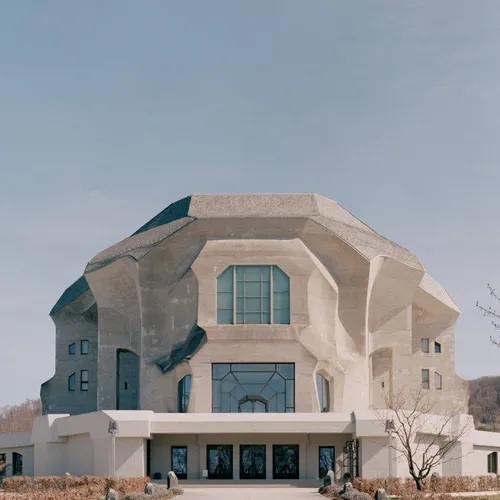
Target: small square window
column 438, row 381
column 437, row 347
column 72, row 382
column 424, row 345
column 425, row 379
column 72, row 349
column 84, row 347
column 84, row 380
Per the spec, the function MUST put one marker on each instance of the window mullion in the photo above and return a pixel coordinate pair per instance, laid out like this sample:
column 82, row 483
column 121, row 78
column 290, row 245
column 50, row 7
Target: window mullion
column 271, row 292
column 234, row 295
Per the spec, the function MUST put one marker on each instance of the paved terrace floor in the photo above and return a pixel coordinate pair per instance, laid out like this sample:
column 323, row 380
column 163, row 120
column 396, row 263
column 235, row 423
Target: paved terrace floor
column 251, row 493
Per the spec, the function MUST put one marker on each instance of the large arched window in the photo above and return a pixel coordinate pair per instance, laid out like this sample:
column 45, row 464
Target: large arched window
column 253, row 295
column 323, row 393
column 183, row 393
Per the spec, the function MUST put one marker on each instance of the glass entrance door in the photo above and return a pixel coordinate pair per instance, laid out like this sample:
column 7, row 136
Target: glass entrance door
column 220, row 461
column 286, row 461
column 179, row 461
column 326, row 460
column 252, row 461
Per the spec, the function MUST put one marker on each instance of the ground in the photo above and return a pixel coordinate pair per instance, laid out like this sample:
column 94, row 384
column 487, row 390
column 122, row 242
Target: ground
column 230, row 493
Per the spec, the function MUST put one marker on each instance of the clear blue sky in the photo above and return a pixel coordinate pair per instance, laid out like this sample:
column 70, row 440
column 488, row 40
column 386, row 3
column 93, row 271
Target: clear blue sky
column 109, row 111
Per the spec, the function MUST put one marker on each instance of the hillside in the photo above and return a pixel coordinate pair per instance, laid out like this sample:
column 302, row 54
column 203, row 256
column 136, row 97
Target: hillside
column 484, row 403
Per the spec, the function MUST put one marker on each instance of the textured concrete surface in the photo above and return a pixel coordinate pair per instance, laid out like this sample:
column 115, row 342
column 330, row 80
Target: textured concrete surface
column 359, row 307
column 249, row 493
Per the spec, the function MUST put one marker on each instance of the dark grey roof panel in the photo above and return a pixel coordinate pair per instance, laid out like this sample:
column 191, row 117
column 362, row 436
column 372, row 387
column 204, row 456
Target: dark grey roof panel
column 78, row 288
column 137, row 245
column 175, row 211
column 194, row 341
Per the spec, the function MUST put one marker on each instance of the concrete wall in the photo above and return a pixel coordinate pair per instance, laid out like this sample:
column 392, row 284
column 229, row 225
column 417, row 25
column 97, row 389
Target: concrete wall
column 80, row 455
column 130, row 457
column 353, row 296
column 374, row 457
column 27, row 453
column 74, row 323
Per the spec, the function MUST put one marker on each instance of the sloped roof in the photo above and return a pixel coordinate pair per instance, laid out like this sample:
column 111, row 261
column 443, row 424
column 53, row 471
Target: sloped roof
column 325, row 212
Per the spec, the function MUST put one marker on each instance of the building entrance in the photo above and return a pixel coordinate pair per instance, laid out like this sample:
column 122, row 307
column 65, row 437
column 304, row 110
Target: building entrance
column 252, row 461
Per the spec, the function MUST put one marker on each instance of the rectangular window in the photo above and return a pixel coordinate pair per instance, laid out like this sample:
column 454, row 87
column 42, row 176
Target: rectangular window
column 438, row 381
column 424, row 345
column 425, row 379
column 493, row 463
column 437, row 347
column 84, row 380
column 84, row 347
column 72, row 349
column 253, row 295
column 72, row 382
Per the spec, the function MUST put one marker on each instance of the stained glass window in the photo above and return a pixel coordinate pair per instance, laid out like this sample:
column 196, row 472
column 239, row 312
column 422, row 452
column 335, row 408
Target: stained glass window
column 253, row 387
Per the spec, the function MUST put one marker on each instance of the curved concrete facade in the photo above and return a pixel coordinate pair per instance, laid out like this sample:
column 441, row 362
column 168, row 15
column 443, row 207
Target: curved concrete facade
column 359, row 307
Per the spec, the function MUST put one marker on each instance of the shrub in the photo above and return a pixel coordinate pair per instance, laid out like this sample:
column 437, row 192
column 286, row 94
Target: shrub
column 405, row 487
column 92, row 485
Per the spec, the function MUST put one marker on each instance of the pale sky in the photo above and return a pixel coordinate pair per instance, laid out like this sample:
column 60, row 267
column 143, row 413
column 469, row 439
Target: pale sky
column 109, row 111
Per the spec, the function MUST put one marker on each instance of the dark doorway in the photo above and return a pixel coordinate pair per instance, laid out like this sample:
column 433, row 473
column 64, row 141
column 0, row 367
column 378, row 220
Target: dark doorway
column 17, row 464
column 127, row 380
column 286, row 461
column 179, row 461
column 148, row 458
column 220, row 461
column 252, row 461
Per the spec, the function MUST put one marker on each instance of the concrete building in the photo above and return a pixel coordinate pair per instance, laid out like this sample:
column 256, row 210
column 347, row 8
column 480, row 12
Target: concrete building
column 246, row 337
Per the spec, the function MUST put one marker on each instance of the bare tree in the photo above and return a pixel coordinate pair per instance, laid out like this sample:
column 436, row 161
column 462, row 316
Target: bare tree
column 3, row 467
column 423, row 437
column 491, row 313
column 19, row 418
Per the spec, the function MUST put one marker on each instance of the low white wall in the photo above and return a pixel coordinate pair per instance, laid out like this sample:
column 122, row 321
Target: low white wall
column 130, row 457
column 80, row 455
column 18, row 443
column 374, row 457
